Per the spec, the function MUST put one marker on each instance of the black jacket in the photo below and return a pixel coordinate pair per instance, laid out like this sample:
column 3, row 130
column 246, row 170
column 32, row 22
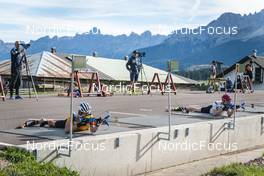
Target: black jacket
column 134, row 64
column 16, row 60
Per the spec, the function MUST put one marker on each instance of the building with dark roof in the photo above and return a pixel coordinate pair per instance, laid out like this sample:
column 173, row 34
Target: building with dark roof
column 49, row 68
column 258, row 70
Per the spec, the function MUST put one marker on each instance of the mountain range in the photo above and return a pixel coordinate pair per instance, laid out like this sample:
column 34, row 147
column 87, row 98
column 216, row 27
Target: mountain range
column 93, row 41
column 190, row 49
column 240, row 34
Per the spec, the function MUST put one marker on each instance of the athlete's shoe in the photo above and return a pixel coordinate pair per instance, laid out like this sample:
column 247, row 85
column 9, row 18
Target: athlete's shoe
column 18, row 97
column 185, row 110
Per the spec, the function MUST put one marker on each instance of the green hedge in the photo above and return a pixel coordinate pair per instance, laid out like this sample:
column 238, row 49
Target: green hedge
column 237, row 170
column 24, row 164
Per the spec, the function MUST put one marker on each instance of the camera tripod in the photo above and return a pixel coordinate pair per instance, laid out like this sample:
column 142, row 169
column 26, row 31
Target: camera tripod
column 29, row 75
column 142, row 71
column 2, row 90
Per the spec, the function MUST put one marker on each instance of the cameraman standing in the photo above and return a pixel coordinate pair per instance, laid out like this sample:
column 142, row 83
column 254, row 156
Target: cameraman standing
column 16, row 69
column 134, row 65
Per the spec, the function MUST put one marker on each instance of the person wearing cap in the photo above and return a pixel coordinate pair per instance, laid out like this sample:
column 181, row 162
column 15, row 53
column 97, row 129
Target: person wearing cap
column 134, row 65
column 16, row 69
column 215, row 109
column 82, row 121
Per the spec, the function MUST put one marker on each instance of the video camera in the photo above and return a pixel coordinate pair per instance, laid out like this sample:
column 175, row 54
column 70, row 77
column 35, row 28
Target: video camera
column 140, row 54
column 23, row 49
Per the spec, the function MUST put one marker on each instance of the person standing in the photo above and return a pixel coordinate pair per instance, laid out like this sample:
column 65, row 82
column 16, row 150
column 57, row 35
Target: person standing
column 229, row 85
column 213, row 70
column 16, row 69
column 134, row 65
column 249, row 73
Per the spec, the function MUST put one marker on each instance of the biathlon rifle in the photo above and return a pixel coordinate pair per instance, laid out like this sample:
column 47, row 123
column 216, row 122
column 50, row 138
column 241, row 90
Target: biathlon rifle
column 99, row 121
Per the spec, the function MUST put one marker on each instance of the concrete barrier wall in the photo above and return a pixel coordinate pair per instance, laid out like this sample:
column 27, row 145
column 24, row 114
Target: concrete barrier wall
column 149, row 150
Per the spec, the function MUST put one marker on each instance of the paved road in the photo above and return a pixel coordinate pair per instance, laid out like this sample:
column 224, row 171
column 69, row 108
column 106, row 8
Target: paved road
column 12, row 113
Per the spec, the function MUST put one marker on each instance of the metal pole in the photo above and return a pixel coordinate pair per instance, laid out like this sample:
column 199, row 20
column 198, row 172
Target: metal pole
column 32, row 80
column 146, row 79
column 71, row 106
column 141, row 75
column 34, row 87
column 169, row 100
column 54, row 84
column 43, row 84
column 235, row 95
column 28, row 77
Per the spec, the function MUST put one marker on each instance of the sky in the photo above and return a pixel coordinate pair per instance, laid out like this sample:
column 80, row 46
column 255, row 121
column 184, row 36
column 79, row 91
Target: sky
column 30, row 19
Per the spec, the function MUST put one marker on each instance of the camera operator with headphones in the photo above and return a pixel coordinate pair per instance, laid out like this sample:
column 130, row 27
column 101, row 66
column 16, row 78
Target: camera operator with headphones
column 16, row 69
column 134, row 65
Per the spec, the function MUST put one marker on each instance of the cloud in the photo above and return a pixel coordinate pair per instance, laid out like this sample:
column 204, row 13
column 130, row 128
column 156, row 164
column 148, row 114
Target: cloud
column 68, row 17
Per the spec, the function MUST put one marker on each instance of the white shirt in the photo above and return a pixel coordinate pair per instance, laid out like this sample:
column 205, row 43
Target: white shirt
column 219, row 105
column 216, row 105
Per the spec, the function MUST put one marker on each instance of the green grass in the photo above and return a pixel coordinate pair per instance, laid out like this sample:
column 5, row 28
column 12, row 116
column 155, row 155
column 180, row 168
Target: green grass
column 24, row 164
column 237, row 170
column 15, row 155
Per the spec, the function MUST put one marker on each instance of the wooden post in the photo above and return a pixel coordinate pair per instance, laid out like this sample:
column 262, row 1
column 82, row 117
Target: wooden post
column 2, row 89
column 95, row 77
column 169, row 81
column 156, row 75
column 91, row 83
column 77, row 78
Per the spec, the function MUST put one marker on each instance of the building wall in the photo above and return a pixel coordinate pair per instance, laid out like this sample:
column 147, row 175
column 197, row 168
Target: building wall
column 143, row 150
column 257, row 86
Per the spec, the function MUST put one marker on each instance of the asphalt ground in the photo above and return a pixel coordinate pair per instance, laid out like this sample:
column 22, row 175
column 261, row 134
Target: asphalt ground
column 133, row 108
